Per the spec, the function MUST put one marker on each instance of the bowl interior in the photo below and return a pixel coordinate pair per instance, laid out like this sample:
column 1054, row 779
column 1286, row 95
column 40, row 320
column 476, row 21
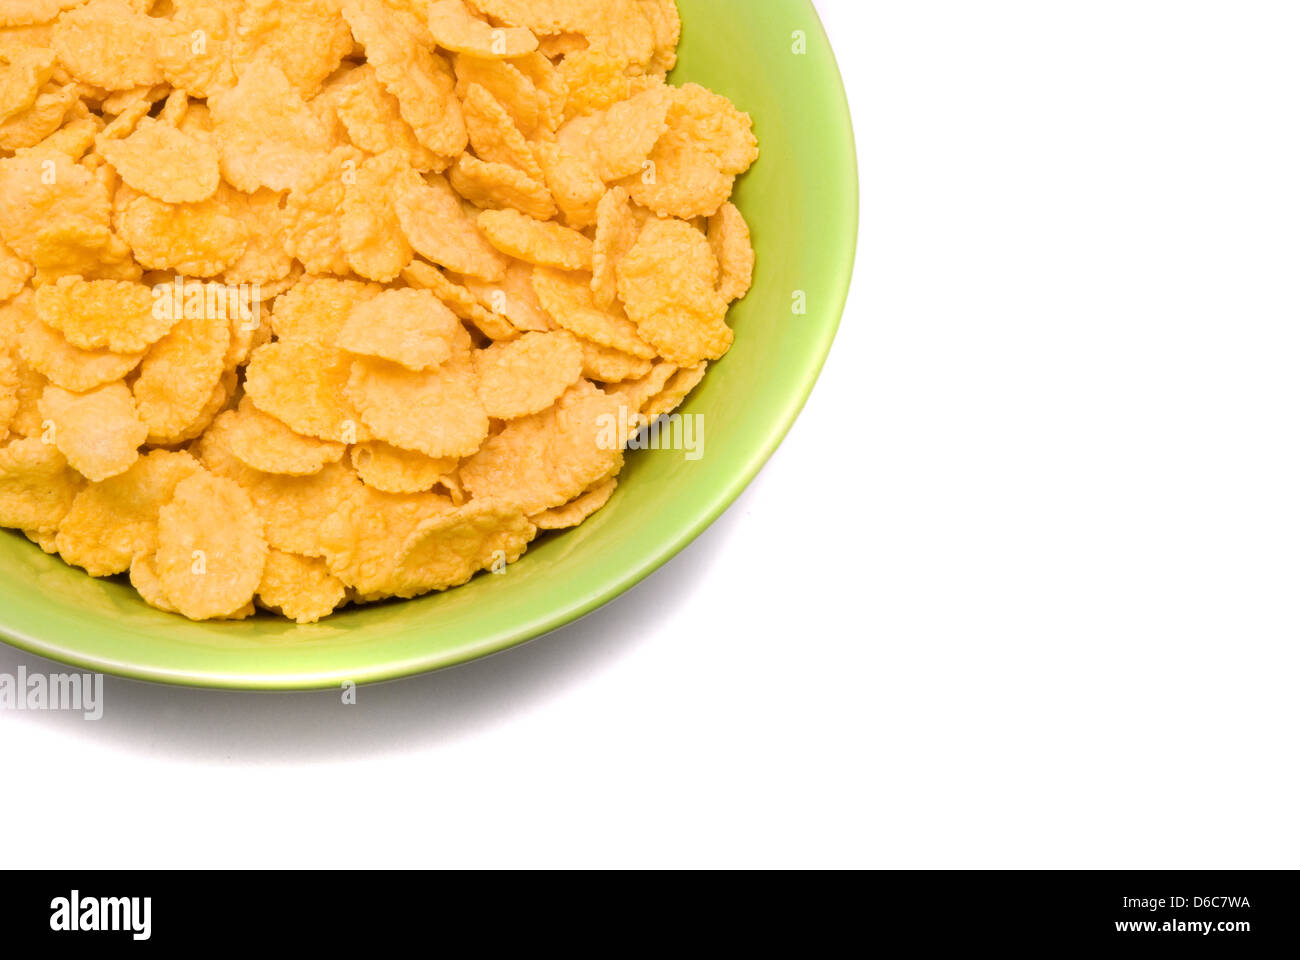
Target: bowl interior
column 773, row 60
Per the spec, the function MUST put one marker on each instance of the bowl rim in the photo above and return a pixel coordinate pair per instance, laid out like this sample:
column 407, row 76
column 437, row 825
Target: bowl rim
column 561, row 616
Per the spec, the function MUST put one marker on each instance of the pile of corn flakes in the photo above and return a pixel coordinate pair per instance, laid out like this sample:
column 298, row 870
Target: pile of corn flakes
column 314, row 302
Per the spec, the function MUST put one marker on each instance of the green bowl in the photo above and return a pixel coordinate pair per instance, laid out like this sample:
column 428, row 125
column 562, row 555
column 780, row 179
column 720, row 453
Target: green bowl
column 801, row 200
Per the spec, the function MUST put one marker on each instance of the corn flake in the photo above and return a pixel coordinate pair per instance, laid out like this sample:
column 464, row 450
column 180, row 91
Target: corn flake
column 729, row 238
column 536, row 241
column 567, row 297
column 109, row 44
column 547, row 459
column 552, row 92
column 370, row 233
column 41, row 120
column 145, row 580
column 435, row 412
column 37, row 191
column 103, row 314
column 98, row 432
column 211, row 552
column 266, row 259
column 625, row 134
column 14, row 273
column 394, row 470
column 113, row 521
column 196, row 239
column 459, row 299
column 37, row 487
column 10, row 380
column 363, row 537
column 292, row 508
column 301, row 588
column 607, row 365
column 318, row 307
column 23, row 72
column 128, row 109
column 165, row 163
column 197, row 47
column 617, row 227
column 83, row 249
column 573, row 183
column 454, row 28
column 440, row 229
column 576, row 511
column 314, row 227
column 247, row 333
column 19, row 13
column 412, row 328
column 527, row 375
column 496, row 186
column 218, row 401
column 421, row 80
column 44, row 539
column 677, row 388
column 306, row 39
column 264, row 131
column 447, row 550
column 636, row 394
column 666, row 23
column 325, row 105
column 493, row 134
column 598, row 80
column 616, row 26
column 264, row 443
column 179, row 376
column 302, row 382
column 73, row 139
column 507, row 84
column 374, row 121
column 668, row 283
column 693, row 167
column 560, row 45
column 48, row 353
column 513, row 298
column 26, row 418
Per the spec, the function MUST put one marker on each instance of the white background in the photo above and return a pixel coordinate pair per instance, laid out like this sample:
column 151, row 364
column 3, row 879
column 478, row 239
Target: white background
column 1020, row 590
